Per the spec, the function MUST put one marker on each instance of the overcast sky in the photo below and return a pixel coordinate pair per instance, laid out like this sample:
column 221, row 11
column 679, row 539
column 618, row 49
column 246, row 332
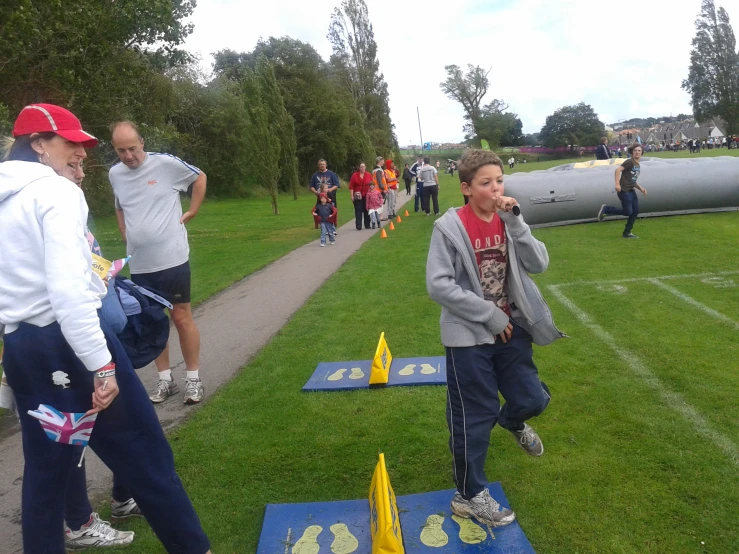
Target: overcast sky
column 625, row 59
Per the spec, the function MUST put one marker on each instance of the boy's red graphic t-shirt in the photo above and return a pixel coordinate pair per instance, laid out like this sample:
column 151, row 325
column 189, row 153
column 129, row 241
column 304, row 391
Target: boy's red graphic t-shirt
column 491, row 251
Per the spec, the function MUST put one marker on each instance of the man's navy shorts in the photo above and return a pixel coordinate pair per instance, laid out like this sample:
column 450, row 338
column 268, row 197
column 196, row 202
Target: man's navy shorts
column 172, row 283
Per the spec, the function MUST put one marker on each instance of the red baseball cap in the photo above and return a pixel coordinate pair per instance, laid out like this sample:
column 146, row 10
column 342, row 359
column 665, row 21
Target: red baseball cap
column 48, row 118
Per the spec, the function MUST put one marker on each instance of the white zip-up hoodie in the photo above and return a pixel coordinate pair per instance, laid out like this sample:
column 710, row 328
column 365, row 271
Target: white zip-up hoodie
column 45, row 263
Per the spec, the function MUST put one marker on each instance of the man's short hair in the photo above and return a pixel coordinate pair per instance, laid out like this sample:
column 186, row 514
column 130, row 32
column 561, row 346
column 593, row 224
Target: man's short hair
column 427, row 160
column 631, row 148
column 603, row 140
column 131, row 124
column 379, row 159
column 472, row 160
column 322, row 160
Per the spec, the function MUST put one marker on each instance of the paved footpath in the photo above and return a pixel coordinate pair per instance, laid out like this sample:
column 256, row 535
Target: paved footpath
column 230, row 336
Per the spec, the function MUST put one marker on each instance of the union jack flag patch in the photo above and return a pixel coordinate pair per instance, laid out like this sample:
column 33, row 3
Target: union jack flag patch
column 65, row 427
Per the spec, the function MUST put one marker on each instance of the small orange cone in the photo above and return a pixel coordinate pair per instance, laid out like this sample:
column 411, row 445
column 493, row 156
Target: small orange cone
column 392, row 227
column 400, row 220
column 383, row 234
column 407, row 214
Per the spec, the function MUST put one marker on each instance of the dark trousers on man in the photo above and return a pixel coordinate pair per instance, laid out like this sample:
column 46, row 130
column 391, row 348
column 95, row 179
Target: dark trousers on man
column 429, row 193
column 127, row 437
column 407, row 187
column 418, row 200
column 361, row 213
column 475, row 375
column 629, row 208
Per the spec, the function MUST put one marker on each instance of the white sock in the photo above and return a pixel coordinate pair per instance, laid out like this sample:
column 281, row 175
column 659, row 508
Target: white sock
column 193, row 374
column 165, row 375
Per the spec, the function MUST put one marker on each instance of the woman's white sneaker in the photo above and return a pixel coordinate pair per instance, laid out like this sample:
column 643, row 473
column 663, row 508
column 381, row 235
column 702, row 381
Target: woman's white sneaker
column 95, row 533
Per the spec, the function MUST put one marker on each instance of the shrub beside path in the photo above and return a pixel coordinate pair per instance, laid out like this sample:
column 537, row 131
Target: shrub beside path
column 234, row 325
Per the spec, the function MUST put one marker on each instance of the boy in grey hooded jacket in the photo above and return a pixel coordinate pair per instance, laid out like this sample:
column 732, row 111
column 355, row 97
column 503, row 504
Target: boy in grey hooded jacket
column 478, row 270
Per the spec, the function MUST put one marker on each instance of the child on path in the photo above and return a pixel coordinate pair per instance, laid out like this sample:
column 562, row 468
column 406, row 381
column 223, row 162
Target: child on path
column 478, row 270
column 327, row 213
column 374, row 205
column 626, row 186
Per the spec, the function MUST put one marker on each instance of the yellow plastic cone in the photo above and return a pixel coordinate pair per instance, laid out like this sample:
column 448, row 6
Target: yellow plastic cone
column 400, row 220
column 392, row 227
column 383, row 234
column 407, row 214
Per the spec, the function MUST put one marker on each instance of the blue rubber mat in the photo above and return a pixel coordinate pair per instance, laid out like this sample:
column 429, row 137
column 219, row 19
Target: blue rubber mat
column 425, row 519
column 329, row 376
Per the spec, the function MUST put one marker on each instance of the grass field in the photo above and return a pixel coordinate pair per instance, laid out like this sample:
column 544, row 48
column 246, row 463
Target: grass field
column 641, row 435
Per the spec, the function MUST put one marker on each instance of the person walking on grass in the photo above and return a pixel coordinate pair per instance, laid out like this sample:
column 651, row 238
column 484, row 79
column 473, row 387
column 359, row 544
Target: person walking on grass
column 58, row 352
column 407, row 177
column 415, row 169
column 147, row 187
column 478, row 270
column 627, row 175
column 430, row 179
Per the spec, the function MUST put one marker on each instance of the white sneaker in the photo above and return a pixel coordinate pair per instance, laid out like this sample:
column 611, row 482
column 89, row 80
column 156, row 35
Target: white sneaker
column 95, row 533
column 483, row 508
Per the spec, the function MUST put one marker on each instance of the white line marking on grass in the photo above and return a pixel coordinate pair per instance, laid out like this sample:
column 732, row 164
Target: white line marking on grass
column 637, row 279
column 672, row 399
column 693, row 302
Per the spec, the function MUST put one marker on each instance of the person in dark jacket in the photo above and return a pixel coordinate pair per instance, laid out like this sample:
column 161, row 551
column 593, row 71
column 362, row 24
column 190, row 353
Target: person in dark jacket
column 326, row 212
column 407, row 177
column 603, row 152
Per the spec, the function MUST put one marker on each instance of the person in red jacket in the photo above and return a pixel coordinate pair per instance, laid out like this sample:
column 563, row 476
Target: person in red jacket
column 359, row 186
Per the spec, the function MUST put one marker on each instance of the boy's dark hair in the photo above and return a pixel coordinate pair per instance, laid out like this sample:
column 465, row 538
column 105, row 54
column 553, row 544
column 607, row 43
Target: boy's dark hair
column 472, row 160
column 630, row 149
column 427, row 160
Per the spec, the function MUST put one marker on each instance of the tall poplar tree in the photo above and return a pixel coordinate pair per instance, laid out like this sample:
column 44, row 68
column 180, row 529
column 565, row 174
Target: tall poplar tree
column 713, row 78
column 355, row 63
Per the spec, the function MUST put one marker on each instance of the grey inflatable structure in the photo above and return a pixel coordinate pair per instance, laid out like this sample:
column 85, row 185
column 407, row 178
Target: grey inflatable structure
column 573, row 193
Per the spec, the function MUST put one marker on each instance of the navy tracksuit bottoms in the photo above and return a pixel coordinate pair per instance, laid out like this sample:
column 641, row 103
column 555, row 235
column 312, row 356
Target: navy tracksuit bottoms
column 475, row 375
column 42, row 369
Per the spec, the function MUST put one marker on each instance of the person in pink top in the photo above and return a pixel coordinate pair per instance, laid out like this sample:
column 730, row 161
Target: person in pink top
column 374, row 205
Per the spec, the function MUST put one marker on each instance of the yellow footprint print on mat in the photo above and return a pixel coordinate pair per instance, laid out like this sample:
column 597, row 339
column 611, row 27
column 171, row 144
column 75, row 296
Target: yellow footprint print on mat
column 407, row 370
column 427, row 369
column 307, row 544
column 469, row 531
column 357, row 373
column 433, row 535
column 344, row 541
column 337, row 375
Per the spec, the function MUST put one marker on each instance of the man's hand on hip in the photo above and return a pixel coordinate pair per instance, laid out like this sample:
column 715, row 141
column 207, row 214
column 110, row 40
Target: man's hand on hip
column 187, row 216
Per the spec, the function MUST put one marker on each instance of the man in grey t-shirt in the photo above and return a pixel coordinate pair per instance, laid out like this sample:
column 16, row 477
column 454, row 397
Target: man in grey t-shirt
column 147, row 187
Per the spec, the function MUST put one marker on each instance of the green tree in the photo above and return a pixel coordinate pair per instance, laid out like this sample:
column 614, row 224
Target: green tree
column 328, row 123
column 356, row 67
column 468, row 89
column 713, row 77
column 494, row 124
column 572, row 125
column 264, row 157
column 283, row 125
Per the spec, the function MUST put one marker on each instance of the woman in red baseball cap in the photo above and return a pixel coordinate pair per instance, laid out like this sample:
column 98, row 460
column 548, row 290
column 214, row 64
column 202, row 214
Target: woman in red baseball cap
column 59, row 354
